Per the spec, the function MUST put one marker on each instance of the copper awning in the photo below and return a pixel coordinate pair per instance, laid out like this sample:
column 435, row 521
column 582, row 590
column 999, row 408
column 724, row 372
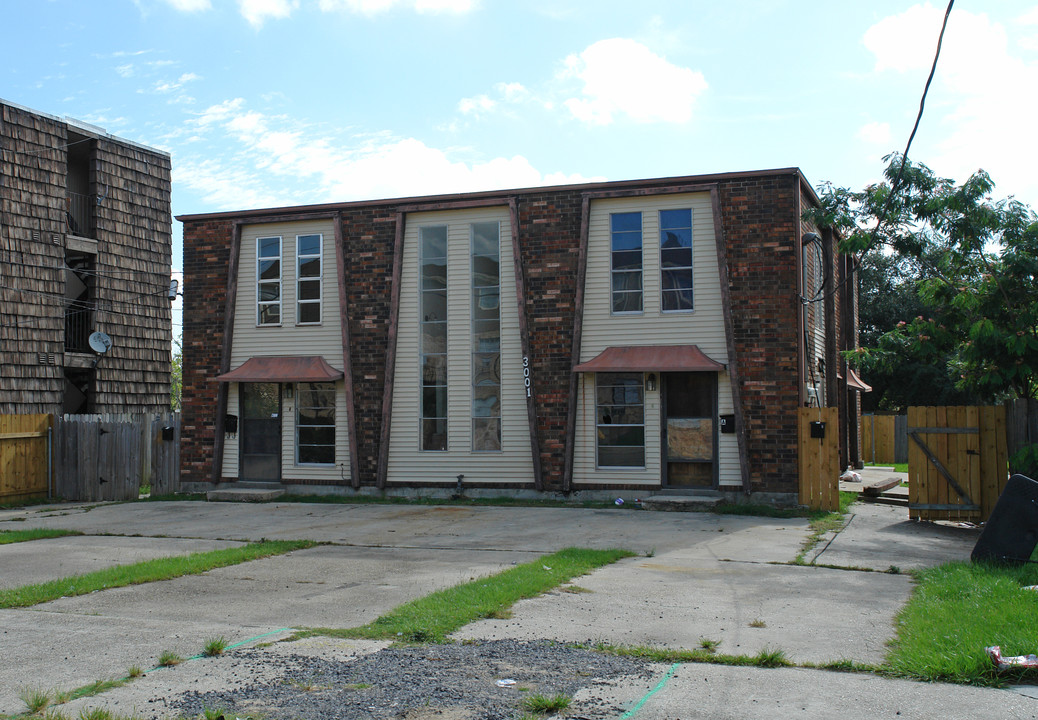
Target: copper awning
column 651, row 358
column 302, row 368
column 856, row 383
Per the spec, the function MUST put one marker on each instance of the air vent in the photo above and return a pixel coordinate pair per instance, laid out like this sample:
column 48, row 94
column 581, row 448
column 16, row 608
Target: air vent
column 35, row 235
column 46, row 359
column 55, row 239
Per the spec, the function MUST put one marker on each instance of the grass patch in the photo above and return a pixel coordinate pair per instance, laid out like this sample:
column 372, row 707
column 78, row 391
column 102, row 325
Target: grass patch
column 766, row 658
column 958, row 609
column 36, row 699
column 168, row 658
column 434, row 617
column 545, row 704
column 824, row 523
column 146, row 571
column 14, row 536
column 215, row 646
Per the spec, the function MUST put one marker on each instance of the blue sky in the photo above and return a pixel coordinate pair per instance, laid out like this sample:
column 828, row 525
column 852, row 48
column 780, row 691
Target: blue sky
column 281, row 102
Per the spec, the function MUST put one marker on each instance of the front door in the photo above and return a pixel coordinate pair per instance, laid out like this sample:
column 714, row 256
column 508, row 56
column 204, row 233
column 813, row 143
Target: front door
column 260, row 439
column 689, row 429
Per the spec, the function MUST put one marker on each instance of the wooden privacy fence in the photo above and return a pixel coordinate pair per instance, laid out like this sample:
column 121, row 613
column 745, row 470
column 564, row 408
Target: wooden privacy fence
column 109, row 457
column 24, row 456
column 958, row 463
column 884, row 440
column 818, row 433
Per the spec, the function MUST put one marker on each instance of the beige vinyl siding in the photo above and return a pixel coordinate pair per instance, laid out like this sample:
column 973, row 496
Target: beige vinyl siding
column 325, row 339
column 704, row 326
column 407, row 463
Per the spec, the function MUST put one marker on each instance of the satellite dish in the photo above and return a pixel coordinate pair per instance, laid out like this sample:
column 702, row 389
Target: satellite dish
column 99, row 342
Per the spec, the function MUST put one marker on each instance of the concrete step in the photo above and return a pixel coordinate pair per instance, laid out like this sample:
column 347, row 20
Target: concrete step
column 682, row 501
column 244, row 494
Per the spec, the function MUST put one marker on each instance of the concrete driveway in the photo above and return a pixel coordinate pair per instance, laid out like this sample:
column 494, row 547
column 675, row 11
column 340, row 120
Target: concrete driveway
column 696, row 576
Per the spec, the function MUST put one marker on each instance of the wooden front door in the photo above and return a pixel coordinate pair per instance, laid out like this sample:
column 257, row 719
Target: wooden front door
column 689, row 429
column 260, row 438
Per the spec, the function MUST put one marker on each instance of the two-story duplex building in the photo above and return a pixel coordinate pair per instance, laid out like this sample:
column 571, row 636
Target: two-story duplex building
column 618, row 337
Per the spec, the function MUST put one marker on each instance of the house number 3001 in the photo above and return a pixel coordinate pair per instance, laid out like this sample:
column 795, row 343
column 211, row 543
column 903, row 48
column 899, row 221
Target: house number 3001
column 526, row 375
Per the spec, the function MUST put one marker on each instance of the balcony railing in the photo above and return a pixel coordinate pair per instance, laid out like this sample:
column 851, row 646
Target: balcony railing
column 79, row 215
column 78, row 321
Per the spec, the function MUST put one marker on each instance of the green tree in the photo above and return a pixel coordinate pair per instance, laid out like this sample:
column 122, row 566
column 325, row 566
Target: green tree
column 176, row 377
column 975, row 264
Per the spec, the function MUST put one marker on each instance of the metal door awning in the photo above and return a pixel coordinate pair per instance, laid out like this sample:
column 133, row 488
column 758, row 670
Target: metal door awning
column 299, row 368
column 651, row 358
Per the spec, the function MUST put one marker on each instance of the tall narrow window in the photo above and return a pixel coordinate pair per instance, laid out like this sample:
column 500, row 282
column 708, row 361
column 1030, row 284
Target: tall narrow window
column 486, row 337
column 433, row 336
column 620, row 418
column 308, row 279
column 626, row 261
column 268, row 281
column 676, row 260
column 315, row 423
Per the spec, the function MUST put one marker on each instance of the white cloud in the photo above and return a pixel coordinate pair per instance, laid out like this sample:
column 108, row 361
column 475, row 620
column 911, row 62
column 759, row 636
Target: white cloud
column 506, row 94
column 190, row 5
column 374, row 7
column 266, row 161
column 475, row 105
column 175, row 84
column 875, row 133
column 125, row 70
column 258, row 11
column 623, row 77
column 980, row 113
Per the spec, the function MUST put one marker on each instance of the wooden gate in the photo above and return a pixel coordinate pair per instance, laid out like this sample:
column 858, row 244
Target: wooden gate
column 24, row 459
column 957, row 462
column 818, row 431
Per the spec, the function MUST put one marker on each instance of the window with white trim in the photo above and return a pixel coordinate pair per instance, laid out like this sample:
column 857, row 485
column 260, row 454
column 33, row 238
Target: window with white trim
column 486, row 336
column 432, row 321
column 620, row 419
column 268, row 281
column 625, row 262
column 308, row 279
column 676, row 260
column 315, row 423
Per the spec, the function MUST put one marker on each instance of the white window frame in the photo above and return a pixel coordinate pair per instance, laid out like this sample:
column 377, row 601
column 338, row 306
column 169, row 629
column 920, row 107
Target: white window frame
column 614, row 273
column 423, row 386
column 689, row 268
column 601, row 426
column 480, row 358
column 319, row 279
column 299, row 424
column 260, row 303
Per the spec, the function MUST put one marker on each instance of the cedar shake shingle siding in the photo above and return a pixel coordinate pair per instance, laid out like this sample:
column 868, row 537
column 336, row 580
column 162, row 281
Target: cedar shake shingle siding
column 751, row 318
column 72, row 196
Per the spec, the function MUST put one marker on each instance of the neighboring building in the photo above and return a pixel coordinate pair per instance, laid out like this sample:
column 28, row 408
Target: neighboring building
column 613, row 337
column 85, row 247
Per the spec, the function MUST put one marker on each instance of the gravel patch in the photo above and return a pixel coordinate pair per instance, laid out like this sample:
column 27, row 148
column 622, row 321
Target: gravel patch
column 448, row 682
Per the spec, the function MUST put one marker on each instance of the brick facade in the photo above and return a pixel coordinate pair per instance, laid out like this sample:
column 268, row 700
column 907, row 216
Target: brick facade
column 762, row 232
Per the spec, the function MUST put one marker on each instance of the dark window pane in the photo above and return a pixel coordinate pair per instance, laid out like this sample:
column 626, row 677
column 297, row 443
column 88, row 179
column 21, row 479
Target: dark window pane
column 627, row 302
column 310, row 312
column 677, row 279
column 485, row 302
column 269, row 247
column 269, row 292
column 316, row 395
column 434, row 305
column 310, row 290
column 485, row 238
column 677, row 300
column 486, row 434
column 434, row 434
column 621, row 435
column 317, row 436
column 627, row 260
column 626, row 221
column 676, row 239
column 434, row 242
column 434, row 337
column 269, row 314
column 621, row 457
column 434, row 402
column 678, row 257
column 621, row 414
column 434, row 370
column 486, row 368
column 323, row 455
column 627, row 281
column 485, row 271
column 308, row 245
column 270, row 269
column 627, row 241
column 676, row 218
column 310, row 268
column 434, row 274
column 486, row 401
column 486, row 336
